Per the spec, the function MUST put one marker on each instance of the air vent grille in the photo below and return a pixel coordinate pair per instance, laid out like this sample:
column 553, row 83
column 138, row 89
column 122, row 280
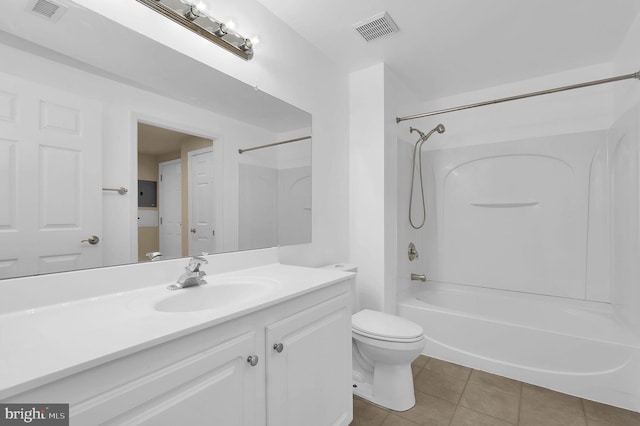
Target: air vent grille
column 376, row 27
column 47, row 9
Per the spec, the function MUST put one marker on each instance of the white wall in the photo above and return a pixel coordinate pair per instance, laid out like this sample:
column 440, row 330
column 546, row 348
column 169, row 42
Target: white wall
column 375, row 95
column 287, row 67
column 367, row 184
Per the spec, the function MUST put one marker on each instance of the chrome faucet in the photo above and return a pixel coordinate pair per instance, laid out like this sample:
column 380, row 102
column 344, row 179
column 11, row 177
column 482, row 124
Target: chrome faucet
column 192, row 276
column 154, row 256
column 418, row 277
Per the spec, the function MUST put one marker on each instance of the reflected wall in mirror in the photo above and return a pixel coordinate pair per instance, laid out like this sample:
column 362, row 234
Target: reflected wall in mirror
column 73, row 104
column 275, row 195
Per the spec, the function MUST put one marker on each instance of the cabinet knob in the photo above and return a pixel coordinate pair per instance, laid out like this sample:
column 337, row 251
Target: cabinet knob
column 253, row 360
column 278, row 347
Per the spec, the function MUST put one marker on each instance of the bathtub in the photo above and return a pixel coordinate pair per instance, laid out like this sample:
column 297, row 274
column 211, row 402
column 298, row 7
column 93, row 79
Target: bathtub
column 572, row 346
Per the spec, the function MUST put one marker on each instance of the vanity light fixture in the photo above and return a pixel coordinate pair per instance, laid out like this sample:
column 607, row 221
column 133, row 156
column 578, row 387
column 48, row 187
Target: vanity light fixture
column 195, row 16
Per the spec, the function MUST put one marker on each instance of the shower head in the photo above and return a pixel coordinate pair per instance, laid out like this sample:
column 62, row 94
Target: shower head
column 423, row 138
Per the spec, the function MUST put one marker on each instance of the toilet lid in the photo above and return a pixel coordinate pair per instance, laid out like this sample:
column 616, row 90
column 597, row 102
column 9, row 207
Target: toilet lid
column 384, row 326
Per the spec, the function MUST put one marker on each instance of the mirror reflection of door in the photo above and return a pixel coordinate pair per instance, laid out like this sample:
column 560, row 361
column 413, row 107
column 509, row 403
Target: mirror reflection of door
column 170, row 209
column 201, row 203
column 185, row 191
column 50, row 185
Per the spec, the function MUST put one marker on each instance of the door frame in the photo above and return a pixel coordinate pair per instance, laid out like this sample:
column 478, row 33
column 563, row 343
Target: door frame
column 183, row 127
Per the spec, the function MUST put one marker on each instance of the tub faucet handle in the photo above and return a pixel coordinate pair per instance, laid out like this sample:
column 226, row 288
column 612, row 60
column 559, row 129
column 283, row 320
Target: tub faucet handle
column 412, row 252
column 418, row 277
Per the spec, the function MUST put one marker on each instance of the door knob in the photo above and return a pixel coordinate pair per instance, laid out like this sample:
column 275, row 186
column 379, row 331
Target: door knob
column 93, row 240
column 253, row 360
column 193, row 230
column 278, row 347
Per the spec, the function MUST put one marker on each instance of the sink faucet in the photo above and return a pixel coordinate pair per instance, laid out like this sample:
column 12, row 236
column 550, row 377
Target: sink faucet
column 154, row 256
column 192, row 276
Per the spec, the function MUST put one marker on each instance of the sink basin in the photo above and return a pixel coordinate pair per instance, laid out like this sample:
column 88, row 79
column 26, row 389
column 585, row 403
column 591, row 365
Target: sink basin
column 217, row 294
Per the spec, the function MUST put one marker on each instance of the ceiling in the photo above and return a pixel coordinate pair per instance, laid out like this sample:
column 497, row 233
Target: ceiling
column 153, row 140
column 446, row 47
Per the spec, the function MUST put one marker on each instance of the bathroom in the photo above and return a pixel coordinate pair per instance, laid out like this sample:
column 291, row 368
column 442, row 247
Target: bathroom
column 361, row 158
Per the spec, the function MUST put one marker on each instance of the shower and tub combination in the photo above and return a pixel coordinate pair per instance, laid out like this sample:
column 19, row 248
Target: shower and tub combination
column 528, row 249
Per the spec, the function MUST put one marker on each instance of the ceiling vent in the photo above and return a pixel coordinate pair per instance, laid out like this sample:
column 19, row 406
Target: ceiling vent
column 377, row 26
column 46, row 9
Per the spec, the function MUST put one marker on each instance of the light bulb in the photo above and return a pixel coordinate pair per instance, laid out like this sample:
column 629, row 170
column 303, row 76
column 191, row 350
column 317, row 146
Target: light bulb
column 231, row 24
column 255, row 40
column 202, row 8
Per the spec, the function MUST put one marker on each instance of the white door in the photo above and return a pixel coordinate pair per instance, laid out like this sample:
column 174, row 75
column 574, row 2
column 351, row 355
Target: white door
column 170, row 209
column 201, row 202
column 50, row 179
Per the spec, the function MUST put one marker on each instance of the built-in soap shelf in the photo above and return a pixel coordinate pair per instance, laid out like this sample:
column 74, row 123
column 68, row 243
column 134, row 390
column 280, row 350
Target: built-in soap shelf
column 510, row 205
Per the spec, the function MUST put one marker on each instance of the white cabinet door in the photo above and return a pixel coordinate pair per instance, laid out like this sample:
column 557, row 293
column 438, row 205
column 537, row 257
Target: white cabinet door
column 214, row 387
column 309, row 376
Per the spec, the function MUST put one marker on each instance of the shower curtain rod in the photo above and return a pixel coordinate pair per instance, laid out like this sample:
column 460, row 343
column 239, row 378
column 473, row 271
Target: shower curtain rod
column 635, row 75
column 273, row 144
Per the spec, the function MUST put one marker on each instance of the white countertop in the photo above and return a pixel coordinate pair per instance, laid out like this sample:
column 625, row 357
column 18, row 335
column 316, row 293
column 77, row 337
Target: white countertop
column 44, row 344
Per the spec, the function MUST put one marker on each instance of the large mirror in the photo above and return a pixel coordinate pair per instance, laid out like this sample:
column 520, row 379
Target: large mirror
column 114, row 148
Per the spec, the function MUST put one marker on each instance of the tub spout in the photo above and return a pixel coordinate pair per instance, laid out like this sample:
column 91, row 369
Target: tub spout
column 418, row 277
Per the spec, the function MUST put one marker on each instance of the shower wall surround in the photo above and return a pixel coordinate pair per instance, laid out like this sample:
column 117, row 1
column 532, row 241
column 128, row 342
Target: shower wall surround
column 626, row 240
column 625, row 214
column 528, row 215
column 536, row 204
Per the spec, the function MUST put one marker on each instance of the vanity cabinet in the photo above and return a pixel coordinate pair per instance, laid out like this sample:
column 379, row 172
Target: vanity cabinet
column 214, row 387
column 285, row 364
column 306, row 357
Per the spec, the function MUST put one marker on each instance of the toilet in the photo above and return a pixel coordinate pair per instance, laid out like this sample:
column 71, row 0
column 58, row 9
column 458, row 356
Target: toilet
column 383, row 347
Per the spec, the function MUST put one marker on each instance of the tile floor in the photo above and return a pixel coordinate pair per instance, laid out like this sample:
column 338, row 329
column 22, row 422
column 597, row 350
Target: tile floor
column 451, row 395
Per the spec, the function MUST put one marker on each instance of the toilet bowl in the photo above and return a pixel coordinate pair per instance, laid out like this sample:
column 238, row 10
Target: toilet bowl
column 383, row 347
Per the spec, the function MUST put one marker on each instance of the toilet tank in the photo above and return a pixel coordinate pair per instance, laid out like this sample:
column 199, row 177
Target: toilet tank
column 346, row 267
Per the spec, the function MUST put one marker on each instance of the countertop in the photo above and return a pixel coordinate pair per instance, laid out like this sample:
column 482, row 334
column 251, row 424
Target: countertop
column 41, row 345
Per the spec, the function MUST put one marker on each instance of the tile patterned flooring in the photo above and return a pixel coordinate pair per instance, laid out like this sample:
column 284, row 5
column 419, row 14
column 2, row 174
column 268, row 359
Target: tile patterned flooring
column 452, row 395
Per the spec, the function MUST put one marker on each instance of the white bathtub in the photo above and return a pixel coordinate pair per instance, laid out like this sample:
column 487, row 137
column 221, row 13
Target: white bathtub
column 575, row 347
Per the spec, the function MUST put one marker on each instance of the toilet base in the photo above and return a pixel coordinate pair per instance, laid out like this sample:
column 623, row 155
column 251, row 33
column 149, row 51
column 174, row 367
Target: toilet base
column 394, row 390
